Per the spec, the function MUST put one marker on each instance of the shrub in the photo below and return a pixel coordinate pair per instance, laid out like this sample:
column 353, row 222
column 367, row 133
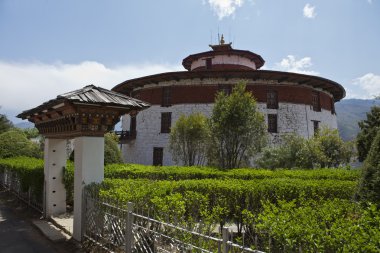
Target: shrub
column 112, row 152
column 14, row 143
column 369, row 188
column 189, row 138
column 326, row 149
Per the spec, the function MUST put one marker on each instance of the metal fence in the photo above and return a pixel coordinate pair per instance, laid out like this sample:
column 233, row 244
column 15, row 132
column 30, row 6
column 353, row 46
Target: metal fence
column 119, row 228
column 10, row 181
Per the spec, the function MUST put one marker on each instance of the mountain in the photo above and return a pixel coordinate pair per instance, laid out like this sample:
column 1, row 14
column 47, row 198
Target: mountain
column 24, row 125
column 349, row 113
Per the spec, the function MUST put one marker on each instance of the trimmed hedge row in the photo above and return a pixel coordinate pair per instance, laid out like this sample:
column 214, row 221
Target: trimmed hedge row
column 134, row 171
column 232, row 193
column 30, row 172
column 316, row 226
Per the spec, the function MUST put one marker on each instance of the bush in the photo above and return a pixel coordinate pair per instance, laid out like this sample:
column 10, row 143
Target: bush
column 189, row 138
column 369, row 189
column 326, row 149
column 327, row 226
column 112, row 152
column 29, row 170
column 14, row 143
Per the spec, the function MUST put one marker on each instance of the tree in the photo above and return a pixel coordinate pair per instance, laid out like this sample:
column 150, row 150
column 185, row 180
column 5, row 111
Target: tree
column 369, row 187
column 15, row 143
column 334, row 151
column 238, row 130
column 368, row 129
column 293, row 152
column 112, row 152
column 189, row 138
column 5, row 124
column 326, row 149
column 31, row 132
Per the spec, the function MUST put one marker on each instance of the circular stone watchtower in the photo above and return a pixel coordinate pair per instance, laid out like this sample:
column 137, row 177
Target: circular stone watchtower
column 290, row 102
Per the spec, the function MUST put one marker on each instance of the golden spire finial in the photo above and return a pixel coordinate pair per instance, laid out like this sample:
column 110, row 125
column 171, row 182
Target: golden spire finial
column 222, row 40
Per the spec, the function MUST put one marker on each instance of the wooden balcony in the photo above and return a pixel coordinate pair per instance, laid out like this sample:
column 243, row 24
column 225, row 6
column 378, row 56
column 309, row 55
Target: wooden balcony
column 126, row 136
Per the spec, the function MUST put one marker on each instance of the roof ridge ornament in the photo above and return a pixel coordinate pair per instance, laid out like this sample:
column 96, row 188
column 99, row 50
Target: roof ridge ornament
column 221, row 40
column 222, row 45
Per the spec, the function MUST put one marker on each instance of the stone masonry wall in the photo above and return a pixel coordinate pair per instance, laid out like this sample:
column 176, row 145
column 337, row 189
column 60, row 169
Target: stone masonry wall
column 297, row 118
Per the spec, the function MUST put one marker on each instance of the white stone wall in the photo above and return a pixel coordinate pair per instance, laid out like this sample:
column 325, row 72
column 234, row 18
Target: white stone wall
column 291, row 118
column 225, row 59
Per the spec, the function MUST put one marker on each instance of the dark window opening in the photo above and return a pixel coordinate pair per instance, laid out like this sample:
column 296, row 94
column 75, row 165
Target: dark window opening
column 208, row 63
column 225, row 88
column 132, row 128
column 272, row 100
column 316, row 126
column 158, row 154
column 332, row 106
column 272, row 123
column 166, row 121
column 315, row 102
column 166, row 96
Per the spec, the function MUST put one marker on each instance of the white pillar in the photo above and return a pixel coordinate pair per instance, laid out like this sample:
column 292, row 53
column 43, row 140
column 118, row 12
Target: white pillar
column 89, row 168
column 55, row 192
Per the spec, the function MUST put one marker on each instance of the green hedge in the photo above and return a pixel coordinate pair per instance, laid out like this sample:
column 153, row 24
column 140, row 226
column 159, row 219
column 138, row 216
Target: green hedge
column 29, row 170
column 247, row 194
column 181, row 173
column 316, row 226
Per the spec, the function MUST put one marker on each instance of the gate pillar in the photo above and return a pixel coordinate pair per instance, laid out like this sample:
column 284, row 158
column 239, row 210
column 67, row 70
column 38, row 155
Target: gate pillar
column 54, row 189
column 89, row 168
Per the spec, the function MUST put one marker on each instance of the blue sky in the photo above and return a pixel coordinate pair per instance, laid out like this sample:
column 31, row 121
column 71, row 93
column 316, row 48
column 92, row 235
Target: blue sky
column 51, row 47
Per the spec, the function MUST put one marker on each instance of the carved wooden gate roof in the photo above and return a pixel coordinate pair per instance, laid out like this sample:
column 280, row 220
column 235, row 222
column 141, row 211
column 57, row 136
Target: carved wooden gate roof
column 90, row 111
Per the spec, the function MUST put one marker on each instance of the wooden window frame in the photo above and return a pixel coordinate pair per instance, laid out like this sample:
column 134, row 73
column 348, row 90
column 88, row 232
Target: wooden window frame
column 166, row 96
column 316, row 101
column 158, row 156
column 272, row 123
column 208, row 63
column 272, row 99
column 166, row 121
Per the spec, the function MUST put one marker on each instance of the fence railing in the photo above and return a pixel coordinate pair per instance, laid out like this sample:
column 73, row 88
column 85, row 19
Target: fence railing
column 115, row 227
column 9, row 180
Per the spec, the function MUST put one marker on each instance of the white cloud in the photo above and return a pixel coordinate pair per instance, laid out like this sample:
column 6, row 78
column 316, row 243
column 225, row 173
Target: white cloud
column 309, row 11
column 367, row 86
column 225, row 8
column 291, row 64
column 24, row 86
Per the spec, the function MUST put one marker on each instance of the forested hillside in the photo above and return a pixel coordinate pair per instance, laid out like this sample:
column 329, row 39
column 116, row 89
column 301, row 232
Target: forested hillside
column 349, row 113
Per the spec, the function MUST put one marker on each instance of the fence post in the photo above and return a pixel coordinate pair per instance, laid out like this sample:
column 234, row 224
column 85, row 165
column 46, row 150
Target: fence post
column 225, row 234
column 128, row 228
